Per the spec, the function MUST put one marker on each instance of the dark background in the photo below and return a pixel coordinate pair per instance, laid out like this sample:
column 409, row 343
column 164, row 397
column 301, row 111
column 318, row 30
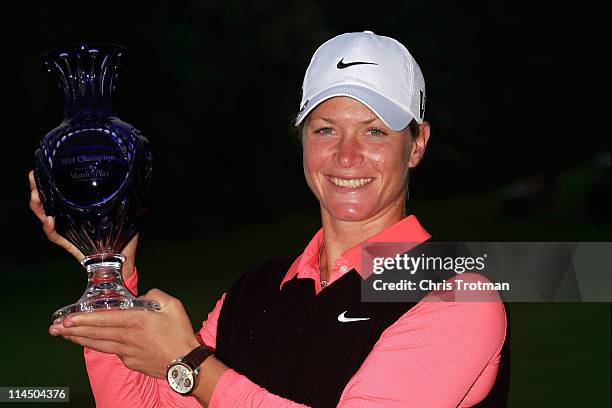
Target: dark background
column 517, row 96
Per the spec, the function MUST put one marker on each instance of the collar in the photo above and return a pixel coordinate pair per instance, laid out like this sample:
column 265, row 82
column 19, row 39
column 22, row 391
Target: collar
column 306, row 265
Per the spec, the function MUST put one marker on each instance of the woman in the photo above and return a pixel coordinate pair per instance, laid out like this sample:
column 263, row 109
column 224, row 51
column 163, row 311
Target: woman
column 294, row 332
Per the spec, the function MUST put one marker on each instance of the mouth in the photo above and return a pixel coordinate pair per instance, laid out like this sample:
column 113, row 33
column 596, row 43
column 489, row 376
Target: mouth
column 351, row 183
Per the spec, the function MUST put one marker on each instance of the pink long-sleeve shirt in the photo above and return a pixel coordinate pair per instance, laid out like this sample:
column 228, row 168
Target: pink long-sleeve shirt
column 438, row 354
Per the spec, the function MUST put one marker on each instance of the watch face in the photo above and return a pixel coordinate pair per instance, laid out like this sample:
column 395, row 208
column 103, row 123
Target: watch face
column 180, row 378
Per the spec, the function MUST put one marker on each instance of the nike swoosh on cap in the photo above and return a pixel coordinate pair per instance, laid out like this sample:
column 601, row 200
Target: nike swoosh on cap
column 342, row 318
column 341, row 64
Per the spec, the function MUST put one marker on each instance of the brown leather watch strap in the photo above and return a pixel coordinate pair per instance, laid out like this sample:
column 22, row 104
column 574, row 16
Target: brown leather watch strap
column 196, row 357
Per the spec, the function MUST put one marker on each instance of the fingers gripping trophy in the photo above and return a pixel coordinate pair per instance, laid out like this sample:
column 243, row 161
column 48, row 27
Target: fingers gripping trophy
column 93, row 173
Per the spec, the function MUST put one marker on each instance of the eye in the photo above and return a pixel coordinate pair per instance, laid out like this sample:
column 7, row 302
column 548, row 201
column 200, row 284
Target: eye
column 324, row 131
column 376, row 132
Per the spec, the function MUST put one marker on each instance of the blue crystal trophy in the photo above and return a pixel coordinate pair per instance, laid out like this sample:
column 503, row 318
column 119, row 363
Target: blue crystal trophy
column 93, row 173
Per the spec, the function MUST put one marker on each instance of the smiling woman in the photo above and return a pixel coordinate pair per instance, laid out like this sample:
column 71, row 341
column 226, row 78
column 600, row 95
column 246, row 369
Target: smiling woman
column 294, row 331
column 357, row 166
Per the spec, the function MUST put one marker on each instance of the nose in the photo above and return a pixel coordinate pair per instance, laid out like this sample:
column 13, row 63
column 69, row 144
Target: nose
column 350, row 151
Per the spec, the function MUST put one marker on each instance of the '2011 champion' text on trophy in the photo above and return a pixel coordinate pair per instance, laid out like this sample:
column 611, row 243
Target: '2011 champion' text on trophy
column 93, row 173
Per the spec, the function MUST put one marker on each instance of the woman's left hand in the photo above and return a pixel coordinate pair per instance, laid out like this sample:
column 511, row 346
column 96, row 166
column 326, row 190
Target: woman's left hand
column 145, row 341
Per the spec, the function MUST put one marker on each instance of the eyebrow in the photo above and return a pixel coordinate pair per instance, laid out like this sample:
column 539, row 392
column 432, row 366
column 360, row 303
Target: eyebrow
column 368, row 121
column 364, row 122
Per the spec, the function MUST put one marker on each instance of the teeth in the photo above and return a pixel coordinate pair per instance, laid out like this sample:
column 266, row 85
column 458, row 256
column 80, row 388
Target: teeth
column 351, row 183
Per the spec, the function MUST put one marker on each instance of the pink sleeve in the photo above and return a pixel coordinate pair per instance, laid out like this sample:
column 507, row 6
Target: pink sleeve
column 438, row 354
column 131, row 283
column 208, row 332
column 234, row 390
column 115, row 385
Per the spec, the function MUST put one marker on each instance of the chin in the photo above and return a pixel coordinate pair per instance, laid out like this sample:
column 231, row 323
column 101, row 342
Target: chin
column 350, row 212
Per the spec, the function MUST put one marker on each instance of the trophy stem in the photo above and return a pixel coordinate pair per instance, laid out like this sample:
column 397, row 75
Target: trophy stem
column 105, row 288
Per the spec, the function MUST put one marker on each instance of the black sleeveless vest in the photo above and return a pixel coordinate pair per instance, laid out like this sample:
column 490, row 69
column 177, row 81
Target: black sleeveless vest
column 290, row 342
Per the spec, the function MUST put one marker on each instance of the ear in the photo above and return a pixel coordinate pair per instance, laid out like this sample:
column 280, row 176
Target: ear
column 419, row 144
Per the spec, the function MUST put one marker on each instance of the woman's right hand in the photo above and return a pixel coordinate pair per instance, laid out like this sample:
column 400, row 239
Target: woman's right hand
column 48, row 224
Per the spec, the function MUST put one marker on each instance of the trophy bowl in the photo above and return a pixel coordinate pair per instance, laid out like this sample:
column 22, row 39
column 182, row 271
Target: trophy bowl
column 93, row 173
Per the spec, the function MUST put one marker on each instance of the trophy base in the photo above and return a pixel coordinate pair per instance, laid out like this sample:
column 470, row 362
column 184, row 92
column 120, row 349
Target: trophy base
column 105, row 289
column 104, row 304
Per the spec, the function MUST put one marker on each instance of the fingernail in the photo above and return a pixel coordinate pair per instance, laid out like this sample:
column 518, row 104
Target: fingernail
column 58, row 320
column 53, row 331
column 68, row 323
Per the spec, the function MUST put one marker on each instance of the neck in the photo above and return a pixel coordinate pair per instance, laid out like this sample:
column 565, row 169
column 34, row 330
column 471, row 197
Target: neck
column 342, row 235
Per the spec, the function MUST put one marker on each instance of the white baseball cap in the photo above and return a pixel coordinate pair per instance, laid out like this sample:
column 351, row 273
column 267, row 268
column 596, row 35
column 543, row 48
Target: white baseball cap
column 377, row 71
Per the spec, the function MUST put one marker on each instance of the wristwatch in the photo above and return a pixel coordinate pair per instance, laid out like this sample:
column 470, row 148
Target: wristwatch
column 182, row 373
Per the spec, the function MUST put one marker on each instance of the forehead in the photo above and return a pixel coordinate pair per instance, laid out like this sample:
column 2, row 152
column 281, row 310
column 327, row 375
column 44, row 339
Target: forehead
column 342, row 108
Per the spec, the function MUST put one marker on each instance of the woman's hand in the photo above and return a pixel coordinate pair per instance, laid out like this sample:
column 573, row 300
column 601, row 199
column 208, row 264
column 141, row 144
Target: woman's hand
column 145, row 341
column 48, row 224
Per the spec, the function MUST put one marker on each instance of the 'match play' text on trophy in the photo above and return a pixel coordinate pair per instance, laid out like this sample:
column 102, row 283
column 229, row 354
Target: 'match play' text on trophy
column 93, row 173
